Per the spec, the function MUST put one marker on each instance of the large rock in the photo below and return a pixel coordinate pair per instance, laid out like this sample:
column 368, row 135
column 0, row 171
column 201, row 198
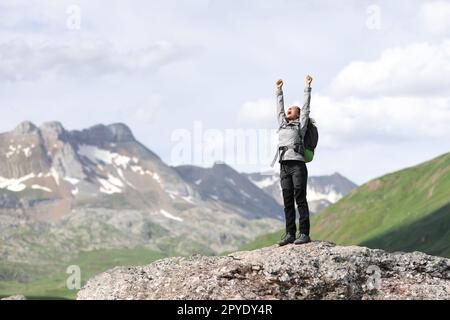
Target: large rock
column 318, row 270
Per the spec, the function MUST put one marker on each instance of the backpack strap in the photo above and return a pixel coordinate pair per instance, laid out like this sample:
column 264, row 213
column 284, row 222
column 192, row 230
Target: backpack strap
column 281, row 151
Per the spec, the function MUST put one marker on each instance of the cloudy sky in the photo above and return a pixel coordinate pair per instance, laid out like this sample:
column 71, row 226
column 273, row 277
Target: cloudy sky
column 381, row 70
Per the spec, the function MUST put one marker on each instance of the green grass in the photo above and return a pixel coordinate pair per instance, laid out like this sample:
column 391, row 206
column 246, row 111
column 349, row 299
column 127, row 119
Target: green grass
column 407, row 210
column 430, row 234
column 53, row 284
column 262, row 241
column 381, row 213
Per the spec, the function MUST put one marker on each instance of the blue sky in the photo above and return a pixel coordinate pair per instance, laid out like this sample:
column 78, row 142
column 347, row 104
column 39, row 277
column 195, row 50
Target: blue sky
column 381, row 70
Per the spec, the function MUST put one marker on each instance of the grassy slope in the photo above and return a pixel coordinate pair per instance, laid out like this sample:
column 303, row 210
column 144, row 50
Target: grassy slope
column 430, row 234
column 53, row 283
column 406, row 210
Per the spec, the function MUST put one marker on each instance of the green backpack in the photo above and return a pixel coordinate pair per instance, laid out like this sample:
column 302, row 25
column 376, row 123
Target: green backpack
column 310, row 140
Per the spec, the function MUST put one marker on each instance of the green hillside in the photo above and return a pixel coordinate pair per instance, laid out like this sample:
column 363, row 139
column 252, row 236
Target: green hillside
column 51, row 282
column 403, row 211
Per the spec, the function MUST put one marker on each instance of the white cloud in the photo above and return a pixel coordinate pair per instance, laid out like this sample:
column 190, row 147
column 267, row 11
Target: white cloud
column 21, row 15
column 351, row 120
column 259, row 110
column 21, row 60
column 435, row 16
column 345, row 120
column 417, row 69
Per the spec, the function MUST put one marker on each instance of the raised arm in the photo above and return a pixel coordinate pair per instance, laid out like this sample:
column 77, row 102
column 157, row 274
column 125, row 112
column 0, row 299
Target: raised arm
column 280, row 102
column 304, row 115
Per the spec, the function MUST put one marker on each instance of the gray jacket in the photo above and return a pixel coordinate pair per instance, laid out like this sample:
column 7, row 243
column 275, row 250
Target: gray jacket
column 291, row 133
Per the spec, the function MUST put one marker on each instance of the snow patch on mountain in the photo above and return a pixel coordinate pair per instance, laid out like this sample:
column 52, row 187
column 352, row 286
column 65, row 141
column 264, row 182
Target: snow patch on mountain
column 138, row 169
column 38, row 187
column 170, row 216
column 172, row 196
column 16, row 150
column 120, row 162
column 155, row 176
column 109, row 186
column 245, row 194
column 330, row 194
column 266, row 182
column 71, row 180
column 122, row 176
column 27, row 152
column 115, row 181
column 189, row 199
column 15, row 185
column 97, row 155
column 55, row 175
column 230, row 181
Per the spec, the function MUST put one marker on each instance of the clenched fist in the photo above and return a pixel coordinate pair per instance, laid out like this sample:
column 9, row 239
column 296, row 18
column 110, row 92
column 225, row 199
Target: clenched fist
column 309, row 80
column 279, row 84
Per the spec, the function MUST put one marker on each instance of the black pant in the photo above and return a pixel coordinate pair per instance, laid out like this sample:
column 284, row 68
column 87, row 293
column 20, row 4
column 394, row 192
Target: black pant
column 294, row 176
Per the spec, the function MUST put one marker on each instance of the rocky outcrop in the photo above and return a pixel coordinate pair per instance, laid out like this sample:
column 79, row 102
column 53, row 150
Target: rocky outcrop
column 318, row 270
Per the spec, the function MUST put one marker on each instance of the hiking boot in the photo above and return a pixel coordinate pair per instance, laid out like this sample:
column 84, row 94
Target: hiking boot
column 286, row 240
column 302, row 239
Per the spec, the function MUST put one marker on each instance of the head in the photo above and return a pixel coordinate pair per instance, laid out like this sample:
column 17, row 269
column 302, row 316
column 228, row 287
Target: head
column 292, row 113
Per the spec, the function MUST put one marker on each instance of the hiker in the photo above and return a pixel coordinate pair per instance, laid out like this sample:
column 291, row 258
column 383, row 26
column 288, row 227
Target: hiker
column 293, row 172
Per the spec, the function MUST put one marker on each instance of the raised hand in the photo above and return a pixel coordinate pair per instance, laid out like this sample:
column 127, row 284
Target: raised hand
column 279, row 84
column 309, row 80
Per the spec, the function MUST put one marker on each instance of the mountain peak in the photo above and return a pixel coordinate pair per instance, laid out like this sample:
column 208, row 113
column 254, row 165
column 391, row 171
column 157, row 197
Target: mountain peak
column 52, row 129
column 26, row 127
column 100, row 133
column 121, row 132
column 55, row 126
column 222, row 167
